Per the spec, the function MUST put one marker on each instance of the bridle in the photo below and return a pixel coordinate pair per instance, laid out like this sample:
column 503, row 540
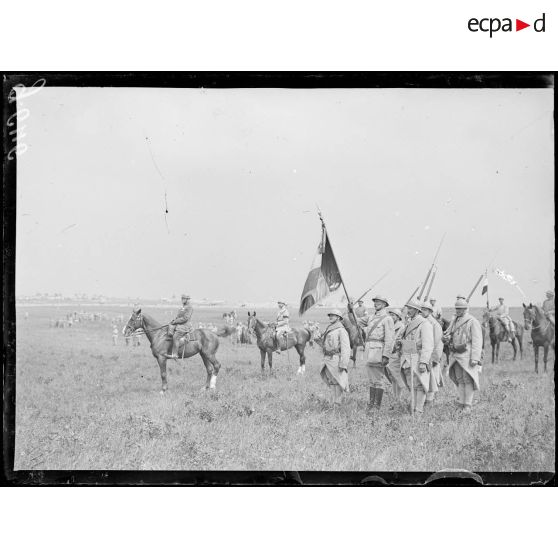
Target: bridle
column 142, row 323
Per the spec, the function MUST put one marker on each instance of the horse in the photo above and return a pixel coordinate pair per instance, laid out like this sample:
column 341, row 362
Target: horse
column 297, row 338
column 498, row 334
column 201, row 341
column 542, row 331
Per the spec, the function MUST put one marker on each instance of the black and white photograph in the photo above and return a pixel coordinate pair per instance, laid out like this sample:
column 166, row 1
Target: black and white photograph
column 283, row 272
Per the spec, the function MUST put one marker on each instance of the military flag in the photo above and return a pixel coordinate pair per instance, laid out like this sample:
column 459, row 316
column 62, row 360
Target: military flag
column 485, row 284
column 324, row 277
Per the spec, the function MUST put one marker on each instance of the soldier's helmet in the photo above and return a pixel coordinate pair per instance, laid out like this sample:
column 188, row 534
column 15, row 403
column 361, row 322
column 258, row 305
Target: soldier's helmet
column 184, row 296
column 432, row 299
column 413, row 304
column 550, row 293
column 137, row 308
column 461, row 303
column 427, row 306
column 395, row 311
column 381, row 299
column 335, row 312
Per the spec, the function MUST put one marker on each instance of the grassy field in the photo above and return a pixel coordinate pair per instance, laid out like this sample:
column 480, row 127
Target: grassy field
column 84, row 404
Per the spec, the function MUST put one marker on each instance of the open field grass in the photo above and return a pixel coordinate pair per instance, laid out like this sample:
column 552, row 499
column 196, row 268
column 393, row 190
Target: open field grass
column 84, row 404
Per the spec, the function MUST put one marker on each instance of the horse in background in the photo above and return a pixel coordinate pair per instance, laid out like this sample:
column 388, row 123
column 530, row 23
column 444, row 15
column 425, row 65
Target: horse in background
column 297, row 337
column 498, row 334
column 542, row 332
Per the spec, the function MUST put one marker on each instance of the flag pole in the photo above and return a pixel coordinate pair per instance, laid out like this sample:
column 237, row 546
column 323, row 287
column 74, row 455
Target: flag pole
column 341, row 277
column 487, row 302
column 474, row 288
column 430, row 286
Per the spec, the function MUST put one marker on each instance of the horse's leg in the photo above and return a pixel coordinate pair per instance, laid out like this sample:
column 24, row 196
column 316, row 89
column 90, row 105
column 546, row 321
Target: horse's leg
column 546, row 347
column 302, row 359
column 514, row 346
column 215, row 367
column 262, row 354
column 354, row 355
column 163, row 368
column 520, row 343
column 270, row 361
column 208, row 369
column 493, row 351
column 536, row 349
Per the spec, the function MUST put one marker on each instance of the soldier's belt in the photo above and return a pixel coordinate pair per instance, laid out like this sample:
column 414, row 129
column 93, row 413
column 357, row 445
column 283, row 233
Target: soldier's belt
column 331, row 353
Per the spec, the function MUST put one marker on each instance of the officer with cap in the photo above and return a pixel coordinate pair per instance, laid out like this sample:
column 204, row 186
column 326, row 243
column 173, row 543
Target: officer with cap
column 503, row 314
column 360, row 310
column 379, row 338
column 337, row 351
column 436, row 380
column 417, row 344
column 180, row 326
column 464, row 338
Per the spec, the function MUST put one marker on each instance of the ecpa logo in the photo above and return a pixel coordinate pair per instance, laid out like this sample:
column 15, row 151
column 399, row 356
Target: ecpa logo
column 492, row 25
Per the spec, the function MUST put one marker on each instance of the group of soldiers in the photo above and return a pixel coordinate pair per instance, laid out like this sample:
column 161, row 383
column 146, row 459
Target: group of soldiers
column 405, row 350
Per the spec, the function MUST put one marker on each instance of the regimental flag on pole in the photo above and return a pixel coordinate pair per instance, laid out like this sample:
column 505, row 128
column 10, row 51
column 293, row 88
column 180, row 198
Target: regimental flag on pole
column 485, row 284
column 324, row 277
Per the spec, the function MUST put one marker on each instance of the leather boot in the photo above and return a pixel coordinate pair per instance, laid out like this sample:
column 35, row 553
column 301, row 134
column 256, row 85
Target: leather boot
column 378, row 397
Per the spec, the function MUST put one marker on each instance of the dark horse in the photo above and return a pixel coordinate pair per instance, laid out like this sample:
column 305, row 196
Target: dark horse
column 201, row 341
column 542, row 331
column 498, row 334
column 297, row 338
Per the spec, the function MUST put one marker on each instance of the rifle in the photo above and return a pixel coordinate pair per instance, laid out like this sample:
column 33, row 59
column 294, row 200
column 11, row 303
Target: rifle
column 474, row 288
column 366, row 292
column 431, row 267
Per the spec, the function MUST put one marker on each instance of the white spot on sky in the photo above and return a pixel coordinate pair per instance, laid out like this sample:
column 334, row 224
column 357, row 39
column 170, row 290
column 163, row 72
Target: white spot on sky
column 417, row 252
column 473, row 229
column 294, row 171
column 397, row 214
column 448, row 201
column 427, row 228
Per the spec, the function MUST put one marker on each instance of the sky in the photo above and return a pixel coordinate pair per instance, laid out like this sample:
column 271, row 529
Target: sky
column 241, row 172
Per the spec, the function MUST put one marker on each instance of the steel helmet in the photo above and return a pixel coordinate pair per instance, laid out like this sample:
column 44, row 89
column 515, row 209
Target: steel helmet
column 380, row 298
column 395, row 311
column 426, row 305
column 335, row 312
column 413, row 304
column 461, row 303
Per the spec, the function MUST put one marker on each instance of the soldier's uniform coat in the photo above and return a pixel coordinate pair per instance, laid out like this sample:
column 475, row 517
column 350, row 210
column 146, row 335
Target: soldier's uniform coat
column 420, row 331
column 436, row 380
column 548, row 309
column 183, row 318
column 337, row 352
column 283, row 320
column 466, row 330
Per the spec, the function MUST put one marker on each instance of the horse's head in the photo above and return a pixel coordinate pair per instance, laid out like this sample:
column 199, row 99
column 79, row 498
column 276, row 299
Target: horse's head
column 528, row 316
column 251, row 324
column 135, row 322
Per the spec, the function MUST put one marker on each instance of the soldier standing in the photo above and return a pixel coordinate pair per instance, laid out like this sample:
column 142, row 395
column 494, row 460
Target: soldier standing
column 394, row 364
column 436, row 380
column 181, row 325
column 464, row 338
column 379, row 338
column 548, row 306
column 336, row 349
column 281, row 325
column 417, row 344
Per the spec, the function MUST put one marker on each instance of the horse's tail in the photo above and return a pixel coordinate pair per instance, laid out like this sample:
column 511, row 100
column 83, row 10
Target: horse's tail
column 225, row 331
